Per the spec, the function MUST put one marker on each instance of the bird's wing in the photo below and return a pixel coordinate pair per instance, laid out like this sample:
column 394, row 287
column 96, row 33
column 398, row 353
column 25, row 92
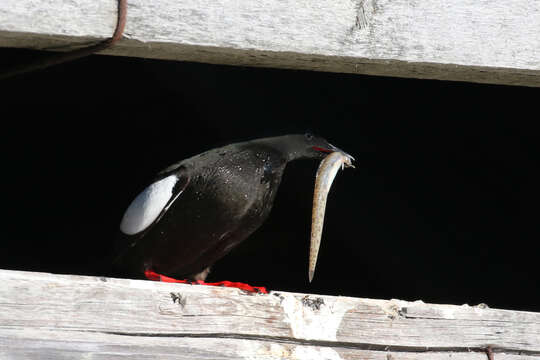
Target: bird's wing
column 181, row 184
column 149, row 207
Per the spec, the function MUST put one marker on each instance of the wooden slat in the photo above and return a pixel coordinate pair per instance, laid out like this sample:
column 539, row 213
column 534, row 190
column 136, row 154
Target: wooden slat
column 57, row 316
column 493, row 41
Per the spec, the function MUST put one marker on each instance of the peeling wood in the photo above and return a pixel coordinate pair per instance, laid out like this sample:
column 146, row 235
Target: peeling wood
column 466, row 40
column 54, row 316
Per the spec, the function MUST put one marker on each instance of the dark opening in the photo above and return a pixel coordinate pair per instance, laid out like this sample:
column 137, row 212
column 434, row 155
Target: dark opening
column 442, row 206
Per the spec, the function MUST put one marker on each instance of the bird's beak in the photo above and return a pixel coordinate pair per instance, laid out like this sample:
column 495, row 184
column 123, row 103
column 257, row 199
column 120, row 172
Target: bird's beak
column 331, row 148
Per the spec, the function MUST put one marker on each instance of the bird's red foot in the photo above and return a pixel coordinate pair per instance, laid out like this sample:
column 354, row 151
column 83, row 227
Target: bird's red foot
column 151, row 275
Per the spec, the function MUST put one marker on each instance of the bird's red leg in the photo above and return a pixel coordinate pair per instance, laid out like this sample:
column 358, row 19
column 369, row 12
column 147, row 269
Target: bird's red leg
column 151, row 275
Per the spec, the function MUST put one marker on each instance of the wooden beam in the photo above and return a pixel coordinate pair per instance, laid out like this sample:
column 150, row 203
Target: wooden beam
column 467, row 40
column 50, row 316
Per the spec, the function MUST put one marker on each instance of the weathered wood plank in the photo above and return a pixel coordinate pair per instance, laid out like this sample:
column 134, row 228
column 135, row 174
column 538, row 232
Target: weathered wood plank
column 493, row 41
column 58, row 316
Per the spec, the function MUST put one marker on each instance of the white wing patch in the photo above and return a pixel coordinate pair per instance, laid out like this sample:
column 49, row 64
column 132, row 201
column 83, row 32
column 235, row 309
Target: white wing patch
column 147, row 206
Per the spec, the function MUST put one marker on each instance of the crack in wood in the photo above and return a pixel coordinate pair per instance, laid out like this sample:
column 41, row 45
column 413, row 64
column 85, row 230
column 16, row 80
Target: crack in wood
column 332, row 344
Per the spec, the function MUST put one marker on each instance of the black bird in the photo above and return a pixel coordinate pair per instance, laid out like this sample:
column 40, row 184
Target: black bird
column 200, row 208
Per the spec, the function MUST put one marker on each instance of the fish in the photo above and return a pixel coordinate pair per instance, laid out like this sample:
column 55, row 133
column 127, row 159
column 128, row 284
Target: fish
column 324, row 178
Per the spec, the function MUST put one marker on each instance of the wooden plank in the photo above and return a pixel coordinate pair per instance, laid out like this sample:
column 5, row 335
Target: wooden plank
column 50, row 316
column 492, row 41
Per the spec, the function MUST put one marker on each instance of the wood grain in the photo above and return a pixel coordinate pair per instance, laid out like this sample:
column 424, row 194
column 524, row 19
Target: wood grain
column 484, row 41
column 50, row 316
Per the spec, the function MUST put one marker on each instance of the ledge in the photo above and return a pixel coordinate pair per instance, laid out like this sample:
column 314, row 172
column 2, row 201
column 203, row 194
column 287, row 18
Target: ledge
column 462, row 40
column 57, row 316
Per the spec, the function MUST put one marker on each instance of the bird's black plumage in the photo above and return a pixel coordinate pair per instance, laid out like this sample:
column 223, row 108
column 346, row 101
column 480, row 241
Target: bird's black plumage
column 197, row 210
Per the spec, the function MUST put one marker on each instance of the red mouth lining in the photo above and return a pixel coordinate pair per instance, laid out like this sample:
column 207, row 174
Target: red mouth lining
column 322, row 149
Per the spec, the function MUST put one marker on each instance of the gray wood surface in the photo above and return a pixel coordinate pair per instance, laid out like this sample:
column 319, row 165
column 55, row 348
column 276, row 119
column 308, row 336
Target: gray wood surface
column 495, row 41
column 50, row 316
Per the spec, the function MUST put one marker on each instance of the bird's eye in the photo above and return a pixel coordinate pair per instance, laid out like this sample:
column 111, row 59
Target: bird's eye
column 309, row 136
